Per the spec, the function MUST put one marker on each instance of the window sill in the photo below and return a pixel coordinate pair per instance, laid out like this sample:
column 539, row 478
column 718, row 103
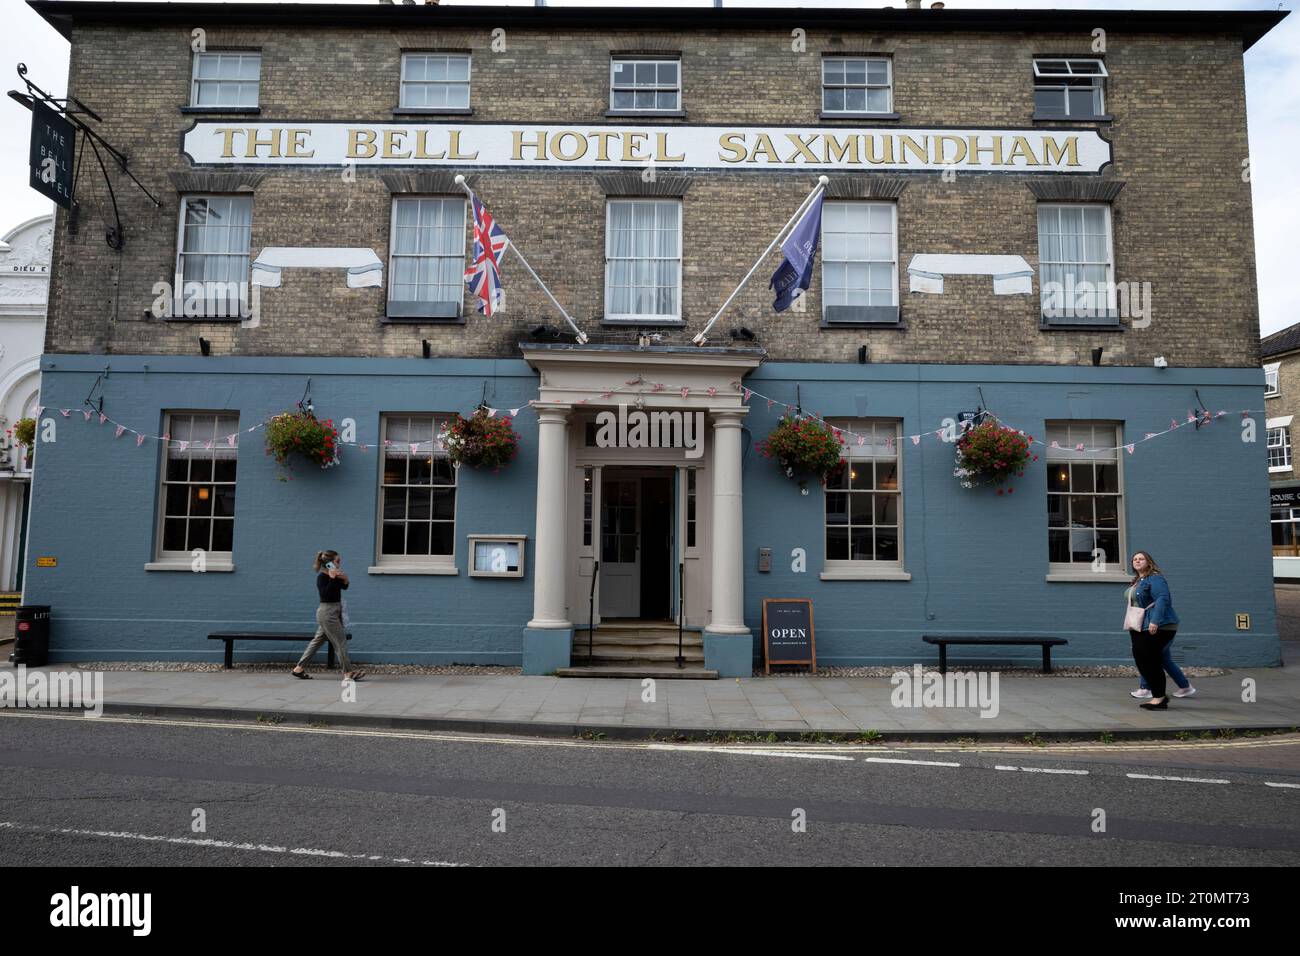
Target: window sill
column 1272, row 394
column 638, row 323
column 647, row 114
column 866, row 575
column 1110, row 325
column 398, row 319
column 187, row 564
column 858, row 116
column 207, row 318
column 242, row 110
column 1089, row 577
column 1275, row 469
column 1045, row 118
column 422, row 111
column 410, row 569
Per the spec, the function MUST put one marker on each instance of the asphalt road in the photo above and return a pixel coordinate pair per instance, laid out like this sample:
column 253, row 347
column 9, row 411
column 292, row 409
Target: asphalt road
column 81, row 792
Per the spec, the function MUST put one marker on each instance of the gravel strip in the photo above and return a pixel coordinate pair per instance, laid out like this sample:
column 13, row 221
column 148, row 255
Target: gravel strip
column 480, row 670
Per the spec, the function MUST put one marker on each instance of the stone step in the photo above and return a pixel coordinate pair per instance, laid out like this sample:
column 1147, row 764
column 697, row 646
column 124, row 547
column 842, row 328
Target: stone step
column 689, row 639
column 600, row 653
column 634, row 670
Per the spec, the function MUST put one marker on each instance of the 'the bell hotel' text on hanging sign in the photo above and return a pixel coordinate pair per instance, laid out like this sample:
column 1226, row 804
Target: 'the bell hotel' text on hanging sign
column 52, row 145
column 612, row 147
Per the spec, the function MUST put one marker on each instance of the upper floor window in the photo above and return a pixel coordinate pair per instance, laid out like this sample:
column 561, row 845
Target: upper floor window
column 643, row 260
column 198, row 485
column 1270, row 379
column 863, row 499
column 648, row 85
column 852, row 84
column 859, row 262
column 417, row 505
column 1279, row 445
column 1069, row 89
column 435, row 81
column 225, row 80
column 1076, row 264
column 212, row 256
column 427, row 258
column 1084, row 496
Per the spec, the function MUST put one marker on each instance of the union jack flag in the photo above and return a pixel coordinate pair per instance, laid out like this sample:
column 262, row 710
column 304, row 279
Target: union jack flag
column 483, row 277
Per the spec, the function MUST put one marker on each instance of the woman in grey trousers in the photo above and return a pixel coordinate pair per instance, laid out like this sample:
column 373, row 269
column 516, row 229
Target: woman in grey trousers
column 331, row 582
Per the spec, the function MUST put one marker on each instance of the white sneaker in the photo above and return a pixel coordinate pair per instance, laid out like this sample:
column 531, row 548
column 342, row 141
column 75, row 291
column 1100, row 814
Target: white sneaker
column 1189, row 691
column 1141, row 693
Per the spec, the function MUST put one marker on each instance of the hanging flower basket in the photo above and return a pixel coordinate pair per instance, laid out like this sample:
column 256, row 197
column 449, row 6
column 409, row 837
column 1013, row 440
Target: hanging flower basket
column 989, row 454
column 24, row 432
column 302, row 433
column 481, row 441
column 803, row 446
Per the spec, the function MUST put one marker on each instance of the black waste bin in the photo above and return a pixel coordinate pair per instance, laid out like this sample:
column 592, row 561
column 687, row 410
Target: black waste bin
column 32, row 633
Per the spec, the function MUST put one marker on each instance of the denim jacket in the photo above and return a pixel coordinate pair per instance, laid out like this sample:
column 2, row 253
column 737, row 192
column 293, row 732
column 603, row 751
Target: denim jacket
column 1152, row 593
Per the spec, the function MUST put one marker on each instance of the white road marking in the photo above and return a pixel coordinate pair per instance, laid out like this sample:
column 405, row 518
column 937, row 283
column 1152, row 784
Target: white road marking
column 1149, row 776
column 1081, row 773
column 214, row 844
column 747, row 752
column 922, row 763
column 1293, row 786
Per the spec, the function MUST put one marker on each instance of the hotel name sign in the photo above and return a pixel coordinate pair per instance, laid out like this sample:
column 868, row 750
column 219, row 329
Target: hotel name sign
column 1077, row 150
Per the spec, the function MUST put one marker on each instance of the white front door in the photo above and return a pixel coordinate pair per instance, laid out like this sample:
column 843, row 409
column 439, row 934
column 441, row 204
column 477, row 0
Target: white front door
column 620, row 547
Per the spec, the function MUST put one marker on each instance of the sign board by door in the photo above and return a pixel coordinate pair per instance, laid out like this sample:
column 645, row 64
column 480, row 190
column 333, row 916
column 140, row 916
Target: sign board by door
column 788, row 633
column 52, row 146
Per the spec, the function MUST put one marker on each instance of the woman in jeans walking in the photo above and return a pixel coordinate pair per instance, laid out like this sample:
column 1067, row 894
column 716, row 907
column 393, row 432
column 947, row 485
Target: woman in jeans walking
column 331, row 582
column 1150, row 591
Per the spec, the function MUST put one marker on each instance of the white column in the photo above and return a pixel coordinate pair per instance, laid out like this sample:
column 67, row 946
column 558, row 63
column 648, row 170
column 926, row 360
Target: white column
column 728, row 615
column 550, row 559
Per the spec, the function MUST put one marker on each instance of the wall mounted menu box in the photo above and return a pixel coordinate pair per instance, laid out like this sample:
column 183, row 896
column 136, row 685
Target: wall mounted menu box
column 496, row 555
column 770, row 148
column 788, row 633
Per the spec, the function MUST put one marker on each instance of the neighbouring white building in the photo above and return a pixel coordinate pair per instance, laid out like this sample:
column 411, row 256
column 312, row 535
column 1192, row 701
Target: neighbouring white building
column 24, row 284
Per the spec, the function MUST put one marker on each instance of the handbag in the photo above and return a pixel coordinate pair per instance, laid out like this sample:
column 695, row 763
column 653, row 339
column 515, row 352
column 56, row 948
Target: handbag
column 1133, row 617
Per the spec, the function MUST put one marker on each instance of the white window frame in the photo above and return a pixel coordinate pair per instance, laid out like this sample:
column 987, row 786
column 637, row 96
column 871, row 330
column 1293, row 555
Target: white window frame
column 213, row 560
column 1279, row 438
column 1098, row 78
column 1093, row 434
column 866, row 314
column 866, row 84
column 1271, row 384
column 633, row 318
column 420, row 309
column 1292, row 518
column 875, row 448
column 407, row 563
column 403, row 83
column 1112, row 296
column 634, row 88
column 218, row 56
column 230, row 310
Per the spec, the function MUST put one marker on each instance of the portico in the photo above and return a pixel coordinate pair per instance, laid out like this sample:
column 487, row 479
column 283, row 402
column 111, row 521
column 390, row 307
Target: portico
column 638, row 508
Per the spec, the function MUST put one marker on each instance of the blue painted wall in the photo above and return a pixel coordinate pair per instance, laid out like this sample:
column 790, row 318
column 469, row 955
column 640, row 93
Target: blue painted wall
column 1196, row 499
column 95, row 499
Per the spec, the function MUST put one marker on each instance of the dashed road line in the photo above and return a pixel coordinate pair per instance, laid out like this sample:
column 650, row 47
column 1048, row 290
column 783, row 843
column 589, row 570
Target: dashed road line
column 920, row 763
column 1150, row 776
column 1292, row 786
column 1080, row 773
column 216, row 844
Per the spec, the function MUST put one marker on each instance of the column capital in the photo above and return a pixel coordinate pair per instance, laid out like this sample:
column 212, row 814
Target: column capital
column 728, row 417
column 552, row 412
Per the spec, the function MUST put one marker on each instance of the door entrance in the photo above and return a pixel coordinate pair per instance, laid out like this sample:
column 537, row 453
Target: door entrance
column 636, row 545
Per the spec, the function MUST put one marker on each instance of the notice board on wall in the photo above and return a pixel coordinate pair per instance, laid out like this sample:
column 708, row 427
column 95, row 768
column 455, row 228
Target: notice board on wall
column 788, row 633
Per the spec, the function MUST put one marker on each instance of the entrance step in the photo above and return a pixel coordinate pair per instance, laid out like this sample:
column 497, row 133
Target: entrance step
column 662, row 671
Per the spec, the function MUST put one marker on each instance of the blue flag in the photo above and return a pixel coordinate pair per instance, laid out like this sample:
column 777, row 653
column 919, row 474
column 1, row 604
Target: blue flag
column 800, row 254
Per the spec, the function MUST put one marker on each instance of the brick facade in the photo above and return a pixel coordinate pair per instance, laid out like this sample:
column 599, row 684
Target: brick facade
column 1182, row 220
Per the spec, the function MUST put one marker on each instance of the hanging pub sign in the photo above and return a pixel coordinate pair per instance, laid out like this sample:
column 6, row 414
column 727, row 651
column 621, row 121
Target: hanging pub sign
column 788, row 633
column 53, row 145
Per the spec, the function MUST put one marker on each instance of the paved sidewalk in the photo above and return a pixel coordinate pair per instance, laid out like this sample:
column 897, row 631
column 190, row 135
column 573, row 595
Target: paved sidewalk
column 786, row 706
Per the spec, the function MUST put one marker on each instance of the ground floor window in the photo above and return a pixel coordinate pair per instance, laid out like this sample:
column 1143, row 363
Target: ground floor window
column 864, row 499
column 417, row 492
column 1084, row 495
column 1286, row 531
column 198, row 484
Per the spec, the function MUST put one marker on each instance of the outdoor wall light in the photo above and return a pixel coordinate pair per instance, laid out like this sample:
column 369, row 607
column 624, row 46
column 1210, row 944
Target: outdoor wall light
column 743, row 334
column 426, row 348
column 1096, row 355
column 863, row 355
column 205, row 347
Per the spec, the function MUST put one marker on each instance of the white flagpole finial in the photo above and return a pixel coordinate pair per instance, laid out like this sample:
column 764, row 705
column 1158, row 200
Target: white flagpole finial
column 459, row 180
column 824, row 180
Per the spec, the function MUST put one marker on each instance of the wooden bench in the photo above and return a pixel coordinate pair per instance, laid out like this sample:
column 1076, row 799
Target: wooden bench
column 943, row 641
column 299, row 638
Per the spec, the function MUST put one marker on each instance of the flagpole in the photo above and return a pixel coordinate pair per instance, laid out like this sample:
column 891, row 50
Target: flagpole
column 582, row 336
column 822, row 182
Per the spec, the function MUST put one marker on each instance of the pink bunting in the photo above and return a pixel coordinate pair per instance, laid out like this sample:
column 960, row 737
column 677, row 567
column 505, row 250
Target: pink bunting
column 139, row 439
column 364, row 448
column 658, row 387
column 1221, row 413
column 492, row 413
column 1172, row 424
column 770, row 403
column 65, row 412
column 1148, row 436
column 86, row 412
column 862, row 440
column 230, row 439
column 514, row 412
column 916, row 439
column 1079, row 447
column 633, row 381
column 712, row 391
column 1191, row 417
column 415, row 447
column 606, row 394
column 184, row 445
column 118, row 432
column 1056, row 444
column 685, row 391
column 102, row 418
column 207, row 445
column 387, row 442
column 1129, row 448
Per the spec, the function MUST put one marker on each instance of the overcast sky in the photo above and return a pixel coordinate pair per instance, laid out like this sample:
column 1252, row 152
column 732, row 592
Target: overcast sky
column 1272, row 91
